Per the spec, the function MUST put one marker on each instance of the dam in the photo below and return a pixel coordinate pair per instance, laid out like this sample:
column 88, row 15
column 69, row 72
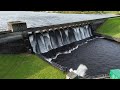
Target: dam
column 53, row 39
column 64, row 40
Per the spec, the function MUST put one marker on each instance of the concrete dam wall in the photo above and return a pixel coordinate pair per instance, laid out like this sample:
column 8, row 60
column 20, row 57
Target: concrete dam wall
column 20, row 39
column 46, row 41
column 13, row 43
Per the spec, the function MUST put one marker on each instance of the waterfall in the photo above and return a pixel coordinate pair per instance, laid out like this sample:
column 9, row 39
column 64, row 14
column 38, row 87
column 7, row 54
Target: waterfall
column 77, row 34
column 46, row 41
column 87, row 32
column 67, row 39
column 33, row 42
column 41, row 43
column 53, row 39
column 64, row 34
column 71, row 35
column 82, row 32
column 59, row 38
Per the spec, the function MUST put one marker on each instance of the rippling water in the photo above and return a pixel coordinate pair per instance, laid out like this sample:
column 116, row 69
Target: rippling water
column 99, row 55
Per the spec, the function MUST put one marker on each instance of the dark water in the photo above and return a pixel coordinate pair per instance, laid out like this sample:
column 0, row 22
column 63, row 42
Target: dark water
column 99, row 55
column 52, row 54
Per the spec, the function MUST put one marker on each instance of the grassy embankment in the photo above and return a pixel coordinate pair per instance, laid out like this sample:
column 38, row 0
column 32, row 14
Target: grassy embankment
column 27, row 66
column 111, row 27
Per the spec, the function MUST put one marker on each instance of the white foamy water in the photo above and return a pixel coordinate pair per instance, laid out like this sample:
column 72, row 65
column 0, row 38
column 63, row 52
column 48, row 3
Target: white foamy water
column 72, row 49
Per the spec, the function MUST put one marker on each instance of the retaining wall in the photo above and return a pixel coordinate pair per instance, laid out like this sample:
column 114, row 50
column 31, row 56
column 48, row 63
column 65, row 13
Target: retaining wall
column 21, row 44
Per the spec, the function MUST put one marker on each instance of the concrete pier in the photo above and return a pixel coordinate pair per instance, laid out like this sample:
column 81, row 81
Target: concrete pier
column 16, row 26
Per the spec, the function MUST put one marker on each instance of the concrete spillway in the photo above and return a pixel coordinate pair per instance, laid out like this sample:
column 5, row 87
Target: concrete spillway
column 44, row 42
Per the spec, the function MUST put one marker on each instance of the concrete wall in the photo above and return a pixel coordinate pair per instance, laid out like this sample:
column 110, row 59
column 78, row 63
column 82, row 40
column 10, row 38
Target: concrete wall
column 22, row 44
column 13, row 43
column 96, row 24
column 13, row 47
column 109, row 37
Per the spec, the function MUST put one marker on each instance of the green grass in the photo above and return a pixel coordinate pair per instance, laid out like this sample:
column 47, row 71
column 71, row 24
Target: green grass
column 27, row 66
column 111, row 27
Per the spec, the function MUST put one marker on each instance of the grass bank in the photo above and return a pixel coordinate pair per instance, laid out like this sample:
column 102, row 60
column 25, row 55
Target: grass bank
column 27, row 66
column 111, row 27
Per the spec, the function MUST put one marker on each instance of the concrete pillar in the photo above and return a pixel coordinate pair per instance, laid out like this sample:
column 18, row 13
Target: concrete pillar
column 16, row 26
column 71, row 75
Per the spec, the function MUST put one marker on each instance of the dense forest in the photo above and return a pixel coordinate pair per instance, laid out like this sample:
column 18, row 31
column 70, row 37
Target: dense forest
column 88, row 12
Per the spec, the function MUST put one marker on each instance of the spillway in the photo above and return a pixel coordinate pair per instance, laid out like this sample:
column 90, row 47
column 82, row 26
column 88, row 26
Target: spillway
column 51, row 40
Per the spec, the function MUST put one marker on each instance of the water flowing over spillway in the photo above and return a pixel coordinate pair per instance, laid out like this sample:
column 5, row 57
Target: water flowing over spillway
column 50, row 40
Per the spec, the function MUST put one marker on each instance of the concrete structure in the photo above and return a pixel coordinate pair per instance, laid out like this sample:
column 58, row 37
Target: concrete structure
column 14, row 41
column 21, row 32
column 16, row 26
column 71, row 75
